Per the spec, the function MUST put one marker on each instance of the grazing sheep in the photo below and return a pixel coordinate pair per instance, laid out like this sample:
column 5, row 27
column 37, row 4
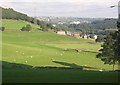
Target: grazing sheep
column 61, row 54
column 101, row 70
column 25, row 61
column 65, row 49
column 52, row 59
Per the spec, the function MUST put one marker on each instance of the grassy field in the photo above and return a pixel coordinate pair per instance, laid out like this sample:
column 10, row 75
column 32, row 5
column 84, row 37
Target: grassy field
column 28, row 49
column 16, row 24
column 14, row 73
column 43, row 46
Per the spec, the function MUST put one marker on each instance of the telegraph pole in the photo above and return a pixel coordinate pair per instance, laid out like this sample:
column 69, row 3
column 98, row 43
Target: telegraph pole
column 118, row 22
column 119, row 10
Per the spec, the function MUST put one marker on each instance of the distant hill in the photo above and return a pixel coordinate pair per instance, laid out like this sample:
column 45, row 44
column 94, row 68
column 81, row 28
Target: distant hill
column 84, row 25
column 9, row 13
column 97, row 26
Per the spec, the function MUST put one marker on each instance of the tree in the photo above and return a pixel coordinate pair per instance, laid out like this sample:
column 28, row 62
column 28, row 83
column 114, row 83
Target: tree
column 110, row 52
column 100, row 38
column 2, row 28
column 26, row 28
column 118, row 24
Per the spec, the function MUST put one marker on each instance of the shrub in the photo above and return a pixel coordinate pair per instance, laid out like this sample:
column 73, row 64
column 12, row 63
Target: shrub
column 26, row 28
column 2, row 28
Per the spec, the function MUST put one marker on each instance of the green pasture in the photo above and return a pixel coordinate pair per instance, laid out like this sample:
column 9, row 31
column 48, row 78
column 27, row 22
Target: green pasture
column 16, row 24
column 23, row 50
column 43, row 46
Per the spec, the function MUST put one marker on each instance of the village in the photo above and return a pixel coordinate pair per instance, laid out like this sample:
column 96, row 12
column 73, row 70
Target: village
column 77, row 35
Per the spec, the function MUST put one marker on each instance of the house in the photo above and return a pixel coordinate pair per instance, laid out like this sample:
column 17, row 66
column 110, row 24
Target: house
column 95, row 37
column 76, row 34
column 68, row 33
column 75, row 22
column 61, row 32
column 54, row 25
column 88, row 36
column 85, row 36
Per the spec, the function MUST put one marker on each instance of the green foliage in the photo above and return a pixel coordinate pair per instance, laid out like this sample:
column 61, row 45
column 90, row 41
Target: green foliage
column 45, row 26
column 14, row 15
column 11, row 14
column 2, row 28
column 26, row 28
column 92, row 36
column 110, row 53
column 118, row 24
column 100, row 38
column 98, row 27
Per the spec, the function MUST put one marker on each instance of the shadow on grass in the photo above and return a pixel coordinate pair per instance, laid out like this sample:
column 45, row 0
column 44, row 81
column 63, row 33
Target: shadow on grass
column 91, row 51
column 8, row 65
column 73, row 65
column 79, row 50
column 21, row 73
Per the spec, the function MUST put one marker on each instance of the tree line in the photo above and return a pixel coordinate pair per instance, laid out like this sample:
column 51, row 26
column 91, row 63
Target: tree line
column 9, row 13
column 99, row 27
column 110, row 51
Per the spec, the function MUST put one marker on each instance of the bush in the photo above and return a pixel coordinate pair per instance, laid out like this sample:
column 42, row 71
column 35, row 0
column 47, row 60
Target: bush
column 26, row 28
column 100, row 38
column 2, row 28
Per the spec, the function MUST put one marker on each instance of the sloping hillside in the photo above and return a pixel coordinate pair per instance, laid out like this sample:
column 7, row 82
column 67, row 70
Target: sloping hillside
column 16, row 24
column 11, row 14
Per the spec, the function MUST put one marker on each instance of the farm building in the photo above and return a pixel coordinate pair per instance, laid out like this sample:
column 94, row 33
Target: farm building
column 68, row 33
column 95, row 36
column 61, row 32
column 85, row 36
column 76, row 34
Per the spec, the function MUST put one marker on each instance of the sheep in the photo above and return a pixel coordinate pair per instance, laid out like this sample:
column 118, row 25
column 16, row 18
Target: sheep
column 16, row 51
column 52, row 59
column 25, row 61
column 101, row 70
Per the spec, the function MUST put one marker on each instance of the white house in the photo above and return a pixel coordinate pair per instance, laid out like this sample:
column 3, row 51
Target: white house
column 75, row 22
column 54, row 25
column 68, row 33
column 61, row 32
column 76, row 34
column 95, row 36
column 85, row 36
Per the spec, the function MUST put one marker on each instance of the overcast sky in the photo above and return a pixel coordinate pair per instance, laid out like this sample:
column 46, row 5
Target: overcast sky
column 73, row 8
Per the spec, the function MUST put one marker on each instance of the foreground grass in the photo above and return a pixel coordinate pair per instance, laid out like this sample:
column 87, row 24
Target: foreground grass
column 25, row 74
column 40, row 49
